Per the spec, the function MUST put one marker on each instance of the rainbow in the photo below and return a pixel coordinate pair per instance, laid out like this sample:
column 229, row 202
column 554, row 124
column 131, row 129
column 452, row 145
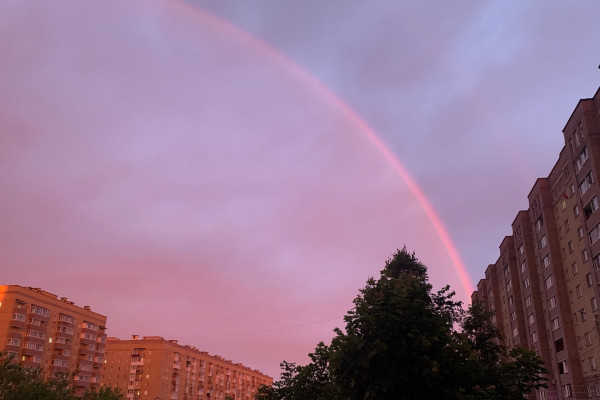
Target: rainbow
column 298, row 71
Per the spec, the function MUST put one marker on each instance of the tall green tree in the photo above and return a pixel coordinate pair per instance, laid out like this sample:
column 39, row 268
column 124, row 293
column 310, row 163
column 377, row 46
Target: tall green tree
column 308, row 382
column 398, row 341
column 403, row 341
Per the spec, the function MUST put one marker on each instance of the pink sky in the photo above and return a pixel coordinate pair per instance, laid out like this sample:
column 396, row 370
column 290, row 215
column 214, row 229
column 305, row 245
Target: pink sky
column 193, row 181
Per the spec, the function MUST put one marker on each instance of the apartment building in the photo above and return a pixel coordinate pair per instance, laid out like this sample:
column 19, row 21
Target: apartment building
column 42, row 330
column 151, row 368
column 543, row 290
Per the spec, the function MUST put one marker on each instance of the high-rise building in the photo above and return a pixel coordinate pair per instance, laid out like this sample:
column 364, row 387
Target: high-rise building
column 544, row 288
column 152, row 368
column 42, row 330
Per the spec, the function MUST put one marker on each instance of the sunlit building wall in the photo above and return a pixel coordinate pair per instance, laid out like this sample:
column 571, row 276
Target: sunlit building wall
column 42, row 330
column 556, row 266
column 150, row 368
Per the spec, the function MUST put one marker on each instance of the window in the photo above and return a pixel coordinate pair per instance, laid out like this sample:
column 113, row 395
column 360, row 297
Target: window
column 596, row 261
column 508, row 285
column 580, row 233
column 575, row 321
column 513, row 316
column 555, row 323
column 595, row 234
column 534, row 337
column 66, row 318
column 576, row 210
column 580, row 130
column 552, row 302
column 542, row 242
column 515, row 332
column 511, row 300
column 563, row 367
column 546, row 261
column 18, row 317
column 585, row 256
column 588, row 339
column 559, row 345
column 526, row 283
column 528, row 301
column 583, row 314
column 594, row 303
column 588, row 390
column 578, row 291
column 571, row 248
column 44, row 312
column 574, row 268
column 588, row 279
column 567, row 225
column 566, row 390
column 531, row 319
column 523, row 267
column 591, row 207
column 521, row 250
column 586, row 183
column 549, row 282
column 13, row 342
column 592, row 363
column 539, row 223
column 581, row 159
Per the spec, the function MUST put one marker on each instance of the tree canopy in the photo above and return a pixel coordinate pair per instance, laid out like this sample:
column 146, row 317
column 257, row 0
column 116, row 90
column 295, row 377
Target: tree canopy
column 23, row 383
column 402, row 341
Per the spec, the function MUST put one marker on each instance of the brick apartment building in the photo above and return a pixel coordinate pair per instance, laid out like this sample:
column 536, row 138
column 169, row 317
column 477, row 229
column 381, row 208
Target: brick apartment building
column 152, row 368
column 42, row 330
column 544, row 288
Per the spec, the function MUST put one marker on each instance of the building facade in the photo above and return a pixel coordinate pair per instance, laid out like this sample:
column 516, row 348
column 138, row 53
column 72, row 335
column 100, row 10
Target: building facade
column 42, row 330
column 543, row 290
column 152, row 368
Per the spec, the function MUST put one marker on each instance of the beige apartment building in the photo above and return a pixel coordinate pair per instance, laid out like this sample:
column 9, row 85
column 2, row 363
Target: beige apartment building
column 152, row 368
column 42, row 330
column 544, row 288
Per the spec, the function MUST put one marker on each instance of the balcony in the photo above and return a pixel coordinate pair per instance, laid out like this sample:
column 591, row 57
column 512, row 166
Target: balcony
column 176, row 365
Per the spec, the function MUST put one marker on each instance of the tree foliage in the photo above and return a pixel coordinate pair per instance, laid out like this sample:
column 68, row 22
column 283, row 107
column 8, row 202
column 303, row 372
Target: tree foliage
column 402, row 341
column 22, row 383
